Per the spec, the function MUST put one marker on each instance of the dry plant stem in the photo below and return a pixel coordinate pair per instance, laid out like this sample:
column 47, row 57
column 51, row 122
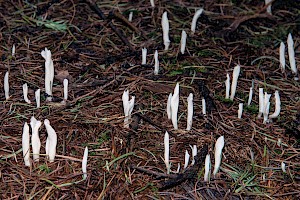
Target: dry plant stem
column 250, row 96
column 156, row 125
column 98, row 11
column 242, row 19
column 157, row 174
column 129, row 24
column 189, row 173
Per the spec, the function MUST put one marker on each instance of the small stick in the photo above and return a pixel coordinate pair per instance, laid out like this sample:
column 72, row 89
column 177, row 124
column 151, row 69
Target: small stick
column 147, row 119
column 132, row 26
column 99, row 12
column 157, row 174
column 189, row 173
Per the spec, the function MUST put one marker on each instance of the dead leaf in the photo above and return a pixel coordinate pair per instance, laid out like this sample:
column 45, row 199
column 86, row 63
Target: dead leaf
column 62, row 74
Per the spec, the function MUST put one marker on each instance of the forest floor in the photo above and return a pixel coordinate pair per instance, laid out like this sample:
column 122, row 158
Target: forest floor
column 99, row 52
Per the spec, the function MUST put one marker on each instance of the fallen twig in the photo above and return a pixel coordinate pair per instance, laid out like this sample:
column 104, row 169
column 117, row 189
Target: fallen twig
column 99, row 12
column 189, row 173
column 130, row 25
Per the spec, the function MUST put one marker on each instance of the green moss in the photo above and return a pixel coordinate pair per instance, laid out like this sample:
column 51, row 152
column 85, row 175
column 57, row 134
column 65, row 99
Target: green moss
column 193, row 67
column 175, row 72
column 252, row 109
column 277, row 151
column 222, row 99
column 207, row 53
column 177, row 39
column 104, row 137
column 267, row 38
column 45, row 168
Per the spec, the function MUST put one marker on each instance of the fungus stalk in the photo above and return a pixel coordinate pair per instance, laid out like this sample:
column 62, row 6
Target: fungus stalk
column 235, row 76
column 283, row 167
column 26, row 144
column 51, row 141
column 218, row 154
column 165, row 28
column 261, row 102
column 240, row 111
column 169, row 112
column 190, row 112
column 203, row 107
column 35, row 138
column 282, row 57
column 144, row 56
column 186, row 159
column 183, row 42
column 152, row 3
column 156, row 63
column 266, row 107
column 269, row 8
column 25, row 93
column 130, row 16
column 38, row 97
column 167, row 151
column 291, row 52
column 195, row 18
column 194, row 153
column 277, row 106
column 207, row 168
column 128, row 107
column 174, row 106
column 13, row 50
column 84, row 163
column 49, row 72
column 6, row 86
column 227, row 85
column 66, row 83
